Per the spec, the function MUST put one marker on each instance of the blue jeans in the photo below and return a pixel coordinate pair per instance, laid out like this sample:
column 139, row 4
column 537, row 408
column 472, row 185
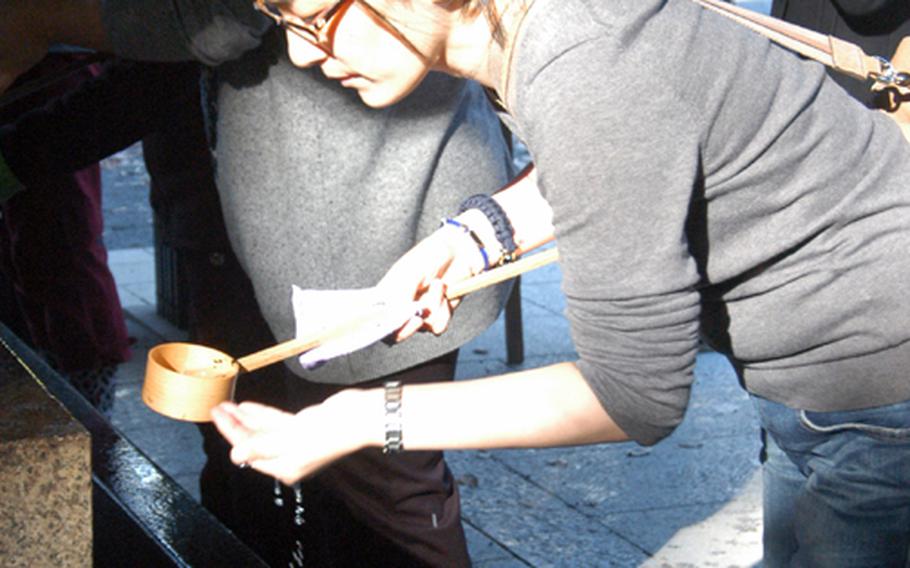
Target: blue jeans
column 836, row 486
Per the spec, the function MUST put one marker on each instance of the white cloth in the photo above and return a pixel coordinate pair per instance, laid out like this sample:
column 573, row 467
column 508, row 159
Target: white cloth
column 371, row 316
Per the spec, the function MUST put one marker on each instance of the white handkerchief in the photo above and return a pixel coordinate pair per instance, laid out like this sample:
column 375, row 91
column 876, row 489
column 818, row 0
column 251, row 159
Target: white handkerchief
column 318, row 312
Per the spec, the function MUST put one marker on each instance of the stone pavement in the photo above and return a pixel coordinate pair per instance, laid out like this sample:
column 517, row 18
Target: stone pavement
column 692, row 500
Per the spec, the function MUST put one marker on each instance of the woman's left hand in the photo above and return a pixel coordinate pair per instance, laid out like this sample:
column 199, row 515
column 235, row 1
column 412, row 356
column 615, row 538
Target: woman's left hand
column 284, row 445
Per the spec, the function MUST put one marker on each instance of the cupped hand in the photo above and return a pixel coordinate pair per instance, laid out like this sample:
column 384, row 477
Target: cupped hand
column 286, row 446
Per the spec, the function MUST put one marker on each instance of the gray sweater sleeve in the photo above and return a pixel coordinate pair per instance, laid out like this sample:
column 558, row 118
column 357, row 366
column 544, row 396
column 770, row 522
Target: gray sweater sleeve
column 628, row 275
column 209, row 31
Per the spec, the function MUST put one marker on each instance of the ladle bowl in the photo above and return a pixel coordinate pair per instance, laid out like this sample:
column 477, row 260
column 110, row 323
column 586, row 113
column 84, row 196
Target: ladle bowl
column 185, row 381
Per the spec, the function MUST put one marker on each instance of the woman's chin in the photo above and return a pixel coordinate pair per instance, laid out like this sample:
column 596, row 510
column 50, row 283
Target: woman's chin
column 381, row 95
column 374, row 99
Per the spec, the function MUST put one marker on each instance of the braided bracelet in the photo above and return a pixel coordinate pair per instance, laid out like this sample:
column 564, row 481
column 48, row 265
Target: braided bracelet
column 474, row 237
column 502, row 226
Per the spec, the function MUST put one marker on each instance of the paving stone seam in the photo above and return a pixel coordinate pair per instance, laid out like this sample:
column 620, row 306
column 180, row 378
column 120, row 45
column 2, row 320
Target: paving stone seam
column 494, row 540
column 597, row 518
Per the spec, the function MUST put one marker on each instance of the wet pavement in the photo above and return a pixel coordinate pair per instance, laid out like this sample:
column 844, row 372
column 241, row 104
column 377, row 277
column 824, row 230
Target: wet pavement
column 692, row 500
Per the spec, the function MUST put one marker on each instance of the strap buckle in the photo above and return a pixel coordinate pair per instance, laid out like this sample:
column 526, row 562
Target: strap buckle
column 888, row 76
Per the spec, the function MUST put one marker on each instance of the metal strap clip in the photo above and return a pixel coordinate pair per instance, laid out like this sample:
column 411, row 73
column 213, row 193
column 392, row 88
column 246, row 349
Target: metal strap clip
column 889, row 76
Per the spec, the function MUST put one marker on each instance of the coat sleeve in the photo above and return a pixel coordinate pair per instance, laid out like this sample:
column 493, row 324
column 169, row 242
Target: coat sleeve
column 861, row 8
column 209, row 31
column 97, row 118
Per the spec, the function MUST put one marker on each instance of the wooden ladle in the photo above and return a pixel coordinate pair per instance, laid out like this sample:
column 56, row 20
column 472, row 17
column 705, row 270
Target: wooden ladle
column 185, row 381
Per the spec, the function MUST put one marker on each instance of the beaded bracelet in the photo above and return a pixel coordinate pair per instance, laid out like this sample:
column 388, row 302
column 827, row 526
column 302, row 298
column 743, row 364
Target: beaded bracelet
column 473, row 235
column 502, row 226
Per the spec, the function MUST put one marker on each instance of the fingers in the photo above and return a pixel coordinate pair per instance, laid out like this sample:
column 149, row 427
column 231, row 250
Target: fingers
column 278, row 468
column 260, row 416
column 434, row 312
column 248, row 416
column 233, row 430
column 225, row 418
column 281, row 444
column 410, row 327
column 409, row 276
column 255, row 453
column 437, row 308
column 260, row 451
column 254, row 430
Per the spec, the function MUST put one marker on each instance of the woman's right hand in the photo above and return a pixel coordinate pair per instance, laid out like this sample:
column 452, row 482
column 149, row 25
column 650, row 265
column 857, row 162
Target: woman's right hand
column 422, row 275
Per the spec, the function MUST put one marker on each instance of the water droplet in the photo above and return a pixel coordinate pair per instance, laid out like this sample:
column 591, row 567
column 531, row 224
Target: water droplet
column 279, row 500
column 297, row 554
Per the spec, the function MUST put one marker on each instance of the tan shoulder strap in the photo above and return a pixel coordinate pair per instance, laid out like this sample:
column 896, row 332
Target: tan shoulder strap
column 845, row 57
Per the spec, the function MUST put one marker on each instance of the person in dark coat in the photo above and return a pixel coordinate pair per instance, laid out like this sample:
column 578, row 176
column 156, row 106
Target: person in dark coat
column 60, row 295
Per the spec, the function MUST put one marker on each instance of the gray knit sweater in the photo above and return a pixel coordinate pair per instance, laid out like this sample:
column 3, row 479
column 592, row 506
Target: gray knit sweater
column 704, row 180
column 317, row 189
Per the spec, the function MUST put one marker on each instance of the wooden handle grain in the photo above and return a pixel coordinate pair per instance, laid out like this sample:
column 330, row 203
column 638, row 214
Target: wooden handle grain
column 299, row 345
column 503, row 273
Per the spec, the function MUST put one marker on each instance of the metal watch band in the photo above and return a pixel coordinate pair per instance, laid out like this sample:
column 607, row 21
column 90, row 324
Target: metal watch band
column 392, row 418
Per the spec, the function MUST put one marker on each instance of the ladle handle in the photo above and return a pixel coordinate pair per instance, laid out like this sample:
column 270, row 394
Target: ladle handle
column 292, row 347
column 501, row 274
column 296, row 346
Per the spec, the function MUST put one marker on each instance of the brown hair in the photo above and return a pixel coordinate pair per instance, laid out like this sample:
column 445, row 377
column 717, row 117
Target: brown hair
column 487, row 7
column 490, row 13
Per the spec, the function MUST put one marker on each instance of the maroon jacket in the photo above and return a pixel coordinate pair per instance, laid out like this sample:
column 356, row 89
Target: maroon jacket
column 52, row 257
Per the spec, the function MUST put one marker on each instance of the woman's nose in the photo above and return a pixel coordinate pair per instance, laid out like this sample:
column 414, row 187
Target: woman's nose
column 303, row 53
